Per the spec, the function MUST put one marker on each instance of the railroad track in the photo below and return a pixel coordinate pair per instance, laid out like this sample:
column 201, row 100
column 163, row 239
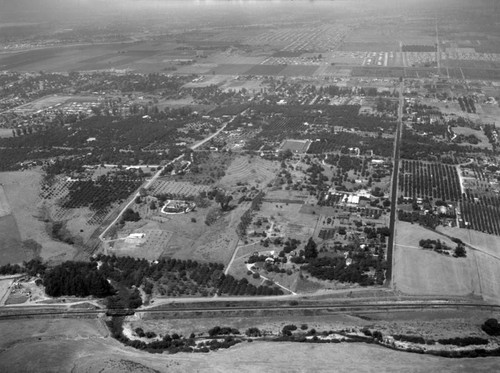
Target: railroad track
column 8, row 313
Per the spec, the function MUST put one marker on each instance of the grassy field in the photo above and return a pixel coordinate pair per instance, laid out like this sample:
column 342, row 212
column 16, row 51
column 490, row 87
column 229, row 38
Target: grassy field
column 4, row 289
column 300, row 146
column 4, row 203
column 423, row 272
column 62, row 345
column 11, row 250
column 265, row 70
column 151, row 248
column 253, row 171
column 487, row 243
column 22, row 191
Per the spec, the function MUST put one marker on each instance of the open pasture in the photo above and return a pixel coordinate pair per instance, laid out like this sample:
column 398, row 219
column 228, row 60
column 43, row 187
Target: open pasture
column 11, row 250
column 422, row 272
column 303, row 70
column 4, row 203
column 265, row 70
column 22, row 190
column 235, row 59
column 94, row 57
column 466, row 131
column 249, row 170
column 487, row 243
column 292, row 223
column 231, row 69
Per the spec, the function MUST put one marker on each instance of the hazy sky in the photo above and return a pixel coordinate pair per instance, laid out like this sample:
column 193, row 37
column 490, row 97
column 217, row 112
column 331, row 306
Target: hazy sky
column 69, row 10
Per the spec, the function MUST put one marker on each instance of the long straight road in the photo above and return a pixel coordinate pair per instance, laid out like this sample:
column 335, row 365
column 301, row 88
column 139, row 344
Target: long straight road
column 395, row 186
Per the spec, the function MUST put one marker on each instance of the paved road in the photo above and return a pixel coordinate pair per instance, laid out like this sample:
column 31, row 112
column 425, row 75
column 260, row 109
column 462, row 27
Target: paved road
column 395, row 186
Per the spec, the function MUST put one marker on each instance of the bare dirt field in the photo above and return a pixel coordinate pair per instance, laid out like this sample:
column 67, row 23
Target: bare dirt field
column 59, row 345
column 22, row 191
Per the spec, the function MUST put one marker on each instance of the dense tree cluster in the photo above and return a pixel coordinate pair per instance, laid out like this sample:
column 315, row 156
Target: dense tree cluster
column 491, row 327
column 76, row 278
column 427, row 220
column 415, row 146
column 133, row 140
column 327, row 268
column 207, row 277
column 246, row 218
column 33, row 268
column 101, row 193
column 130, row 215
column 170, row 343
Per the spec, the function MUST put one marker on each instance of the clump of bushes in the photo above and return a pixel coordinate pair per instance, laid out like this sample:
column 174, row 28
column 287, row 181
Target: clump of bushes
column 491, row 327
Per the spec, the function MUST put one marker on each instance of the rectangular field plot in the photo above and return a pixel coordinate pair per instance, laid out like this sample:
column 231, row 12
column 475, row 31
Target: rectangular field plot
column 298, row 70
column 231, row 69
column 423, row 272
column 378, row 72
column 419, row 73
column 355, row 46
column 482, row 74
column 177, row 188
column 296, row 146
column 265, row 70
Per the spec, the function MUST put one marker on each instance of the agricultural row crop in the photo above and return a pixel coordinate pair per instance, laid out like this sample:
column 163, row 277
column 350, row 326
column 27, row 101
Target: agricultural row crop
column 429, row 180
column 100, row 194
column 480, row 217
column 177, row 188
